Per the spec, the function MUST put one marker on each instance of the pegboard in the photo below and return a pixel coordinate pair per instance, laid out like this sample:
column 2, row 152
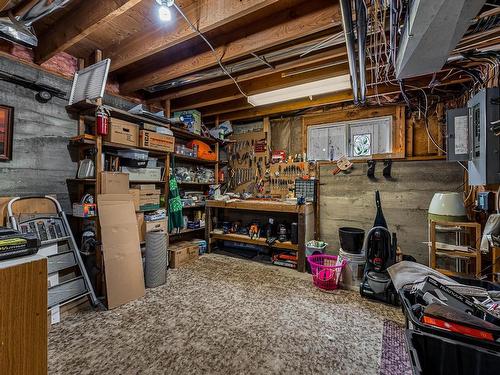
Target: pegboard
column 283, row 175
column 247, row 166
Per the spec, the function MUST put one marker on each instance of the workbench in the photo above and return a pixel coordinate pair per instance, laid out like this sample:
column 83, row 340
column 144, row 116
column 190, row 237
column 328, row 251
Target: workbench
column 303, row 215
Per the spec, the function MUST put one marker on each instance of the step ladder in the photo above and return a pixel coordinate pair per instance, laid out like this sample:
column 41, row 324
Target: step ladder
column 59, row 245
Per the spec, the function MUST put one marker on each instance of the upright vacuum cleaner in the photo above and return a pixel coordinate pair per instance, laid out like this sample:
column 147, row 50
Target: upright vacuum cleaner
column 380, row 249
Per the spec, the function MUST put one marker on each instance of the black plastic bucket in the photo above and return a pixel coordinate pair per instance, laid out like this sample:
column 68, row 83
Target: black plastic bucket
column 351, row 239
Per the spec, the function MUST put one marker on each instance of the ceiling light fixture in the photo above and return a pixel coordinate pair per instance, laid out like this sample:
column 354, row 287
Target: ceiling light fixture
column 164, row 10
column 304, row 90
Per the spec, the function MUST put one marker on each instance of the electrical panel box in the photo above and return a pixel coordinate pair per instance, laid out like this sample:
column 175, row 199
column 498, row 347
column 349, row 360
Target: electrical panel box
column 457, row 125
column 484, row 145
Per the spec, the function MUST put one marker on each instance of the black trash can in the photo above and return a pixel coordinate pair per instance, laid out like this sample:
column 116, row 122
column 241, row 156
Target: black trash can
column 351, row 239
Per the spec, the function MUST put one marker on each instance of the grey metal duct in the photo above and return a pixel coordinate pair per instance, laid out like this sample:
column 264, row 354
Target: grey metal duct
column 432, row 30
column 18, row 28
column 346, row 10
column 362, row 30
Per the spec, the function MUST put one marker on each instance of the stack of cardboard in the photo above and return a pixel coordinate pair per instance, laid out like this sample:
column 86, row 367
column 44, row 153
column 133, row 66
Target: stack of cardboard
column 182, row 253
column 120, row 240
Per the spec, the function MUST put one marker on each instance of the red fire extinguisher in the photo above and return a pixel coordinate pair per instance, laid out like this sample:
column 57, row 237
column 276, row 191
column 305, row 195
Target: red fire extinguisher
column 102, row 120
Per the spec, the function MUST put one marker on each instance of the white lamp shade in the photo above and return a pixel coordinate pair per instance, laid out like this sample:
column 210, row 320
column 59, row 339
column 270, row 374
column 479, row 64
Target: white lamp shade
column 447, row 206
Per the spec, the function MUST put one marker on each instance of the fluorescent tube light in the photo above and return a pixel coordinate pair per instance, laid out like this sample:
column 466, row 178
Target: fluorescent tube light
column 304, row 90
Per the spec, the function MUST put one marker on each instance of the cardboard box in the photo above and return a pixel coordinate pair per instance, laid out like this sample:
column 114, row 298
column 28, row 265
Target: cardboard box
column 183, row 253
column 140, row 223
column 144, row 187
column 192, row 119
column 114, row 183
column 122, row 132
column 145, row 192
column 121, row 249
column 136, row 196
column 150, row 127
column 142, row 174
column 84, row 210
column 149, row 200
column 154, row 226
column 156, row 141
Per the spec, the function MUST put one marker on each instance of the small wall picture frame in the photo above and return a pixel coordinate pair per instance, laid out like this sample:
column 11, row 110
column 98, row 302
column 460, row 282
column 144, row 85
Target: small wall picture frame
column 6, row 130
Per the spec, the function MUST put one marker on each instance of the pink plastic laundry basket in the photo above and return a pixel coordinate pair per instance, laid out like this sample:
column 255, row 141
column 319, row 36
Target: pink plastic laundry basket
column 325, row 273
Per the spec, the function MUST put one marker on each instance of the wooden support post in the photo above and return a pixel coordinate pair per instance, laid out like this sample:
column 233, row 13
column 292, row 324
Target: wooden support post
column 301, row 252
column 267, row 130
column 166, row 108
column 101, row 281
column 409, row 136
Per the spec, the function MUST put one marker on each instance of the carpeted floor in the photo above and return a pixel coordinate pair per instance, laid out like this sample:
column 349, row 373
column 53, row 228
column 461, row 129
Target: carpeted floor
column 223, row 315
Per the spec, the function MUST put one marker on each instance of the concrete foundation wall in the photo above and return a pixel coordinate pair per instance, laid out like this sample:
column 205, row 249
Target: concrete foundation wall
column 349, row 200
column 41, row 161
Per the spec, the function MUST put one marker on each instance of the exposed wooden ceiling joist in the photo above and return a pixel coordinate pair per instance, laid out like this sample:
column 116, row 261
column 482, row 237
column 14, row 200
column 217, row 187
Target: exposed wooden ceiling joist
column 3, row 4
column 78, row 24
column 291, row 25
column 209, row 14
column 270, row 82
column 335, row 98
column 307, row 61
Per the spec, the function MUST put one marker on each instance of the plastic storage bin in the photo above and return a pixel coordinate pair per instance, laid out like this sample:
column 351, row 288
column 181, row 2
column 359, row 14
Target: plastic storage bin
column 315, row 247
column 432, row 354
column 413, row 323
column 134, row 158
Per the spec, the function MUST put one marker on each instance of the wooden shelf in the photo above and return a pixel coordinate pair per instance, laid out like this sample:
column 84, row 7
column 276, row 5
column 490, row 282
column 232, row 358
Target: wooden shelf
column 87, row 181
column 260, row 205
column 256, row 241
column 456, row 253
column 146, row 182
column 195, row 183
column 184, row 134
column 89, row 107
column 113, row 145
column 186, row 231
column 194, row 207
column 192, row 159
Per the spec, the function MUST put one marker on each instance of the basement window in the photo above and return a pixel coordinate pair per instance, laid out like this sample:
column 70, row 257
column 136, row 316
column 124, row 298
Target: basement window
column 356, row 139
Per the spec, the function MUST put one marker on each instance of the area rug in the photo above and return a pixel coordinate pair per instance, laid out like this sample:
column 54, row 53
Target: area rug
column 395, row 358
column 223, row 315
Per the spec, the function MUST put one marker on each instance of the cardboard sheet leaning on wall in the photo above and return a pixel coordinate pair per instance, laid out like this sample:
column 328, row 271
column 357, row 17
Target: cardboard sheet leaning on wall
column 121, row 249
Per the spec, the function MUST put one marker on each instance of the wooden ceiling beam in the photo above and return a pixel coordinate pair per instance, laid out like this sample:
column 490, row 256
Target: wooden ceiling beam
column 293, row 24
column 308, row 61
column 336, row 98
column 210, row 14
column 270, row 82
column 3, row 4
column 78, row 24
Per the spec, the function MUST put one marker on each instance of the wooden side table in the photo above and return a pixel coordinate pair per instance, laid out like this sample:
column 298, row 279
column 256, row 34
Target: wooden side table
column 472, row 230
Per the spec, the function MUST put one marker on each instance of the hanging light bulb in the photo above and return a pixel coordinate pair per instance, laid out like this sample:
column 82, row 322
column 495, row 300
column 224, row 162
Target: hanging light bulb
column 164, row 12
